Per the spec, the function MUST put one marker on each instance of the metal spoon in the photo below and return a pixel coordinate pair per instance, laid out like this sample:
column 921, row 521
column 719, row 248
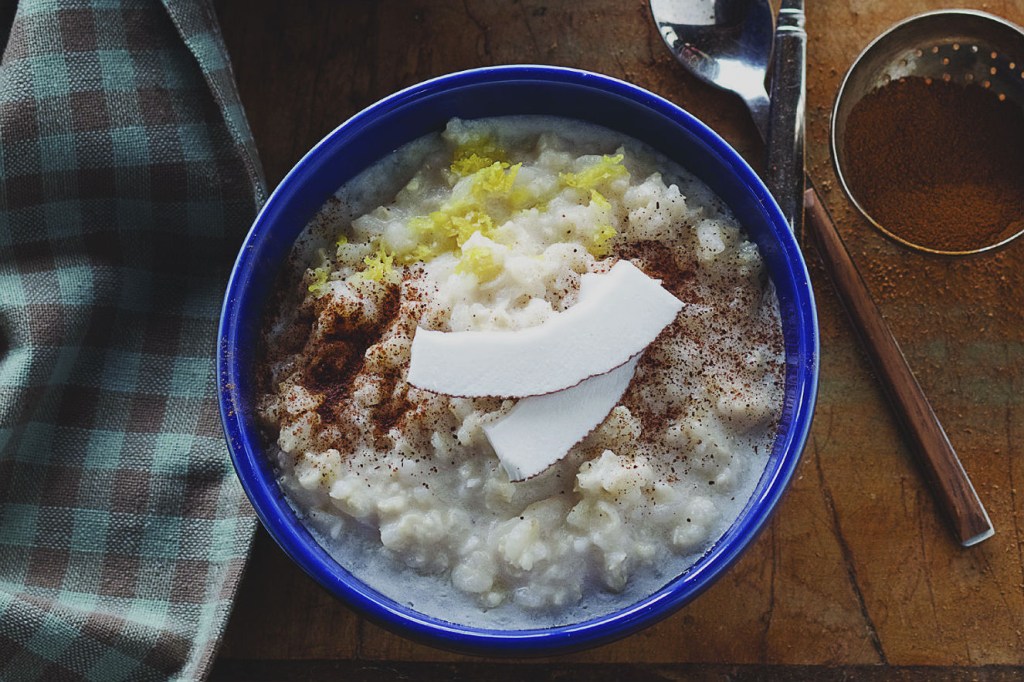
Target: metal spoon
column 725, row 43
column 695, row 41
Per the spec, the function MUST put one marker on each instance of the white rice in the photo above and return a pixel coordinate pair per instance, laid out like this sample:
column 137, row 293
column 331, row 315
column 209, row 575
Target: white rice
column 401, row 486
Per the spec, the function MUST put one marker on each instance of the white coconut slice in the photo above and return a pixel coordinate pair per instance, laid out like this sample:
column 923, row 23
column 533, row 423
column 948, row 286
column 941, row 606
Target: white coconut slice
column 620, row 313
column 540, row 430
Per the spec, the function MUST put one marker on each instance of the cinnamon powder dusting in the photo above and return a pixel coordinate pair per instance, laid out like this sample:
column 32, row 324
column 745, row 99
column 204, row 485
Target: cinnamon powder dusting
column 938, row 164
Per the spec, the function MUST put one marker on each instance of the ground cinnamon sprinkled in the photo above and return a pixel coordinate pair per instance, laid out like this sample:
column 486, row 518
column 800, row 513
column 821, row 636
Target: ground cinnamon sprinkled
column 938, row 163
column 656, row 259
column 333, row 364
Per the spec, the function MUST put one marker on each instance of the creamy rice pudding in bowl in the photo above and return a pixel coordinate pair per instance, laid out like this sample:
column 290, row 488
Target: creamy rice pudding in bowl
column 518, row 360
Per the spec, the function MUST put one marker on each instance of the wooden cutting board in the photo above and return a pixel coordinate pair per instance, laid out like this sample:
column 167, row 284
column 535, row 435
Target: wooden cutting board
column 856, row 575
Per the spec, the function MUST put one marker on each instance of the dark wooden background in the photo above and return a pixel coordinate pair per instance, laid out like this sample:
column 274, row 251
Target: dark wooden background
column 856, row 576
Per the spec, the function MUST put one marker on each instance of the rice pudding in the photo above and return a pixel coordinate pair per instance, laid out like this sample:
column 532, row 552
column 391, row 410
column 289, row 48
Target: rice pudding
column 491, row 226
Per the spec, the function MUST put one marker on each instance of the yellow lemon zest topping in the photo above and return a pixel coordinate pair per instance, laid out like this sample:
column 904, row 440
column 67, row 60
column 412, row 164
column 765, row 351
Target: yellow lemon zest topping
column 479, row 261
column 379, row 267
column 319, row 282
column 522, row 199
column 600, row 243
column 448, row 228
column 494, row 179
column 320, row 274
column 476, row 154
column 608, row 168
column 490, row 179
column 469, row 224
column 434, row 235
column 467, row 165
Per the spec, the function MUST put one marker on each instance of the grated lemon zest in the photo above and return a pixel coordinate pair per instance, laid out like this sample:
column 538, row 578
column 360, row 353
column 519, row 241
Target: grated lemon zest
column 379, row 267
column 608, row 168
column 522, row 199
column 600, row 245
column 469, row 224
column 433, row 234
column 320, row 275
column 448, row 228
column 475, row 154
column 467, row 165
column 494, row 179
column 480, row 262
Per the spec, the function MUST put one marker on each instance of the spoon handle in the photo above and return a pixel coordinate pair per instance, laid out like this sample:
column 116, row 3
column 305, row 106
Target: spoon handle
column 954, row 491
column 784, row 174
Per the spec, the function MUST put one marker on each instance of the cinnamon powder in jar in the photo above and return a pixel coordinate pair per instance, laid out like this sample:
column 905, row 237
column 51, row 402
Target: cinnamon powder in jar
column 938, row 164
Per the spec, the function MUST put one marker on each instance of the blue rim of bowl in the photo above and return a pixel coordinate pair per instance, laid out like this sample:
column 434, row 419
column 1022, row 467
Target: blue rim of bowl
column 257, row 477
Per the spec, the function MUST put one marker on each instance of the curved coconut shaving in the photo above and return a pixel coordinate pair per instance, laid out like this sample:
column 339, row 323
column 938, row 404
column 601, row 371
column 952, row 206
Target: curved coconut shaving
column 623, row 311
column 541, row 430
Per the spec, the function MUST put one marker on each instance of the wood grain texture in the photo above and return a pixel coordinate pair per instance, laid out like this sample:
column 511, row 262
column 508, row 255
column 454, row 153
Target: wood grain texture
column 953, row 489
column 380, row 671
column 857, row 567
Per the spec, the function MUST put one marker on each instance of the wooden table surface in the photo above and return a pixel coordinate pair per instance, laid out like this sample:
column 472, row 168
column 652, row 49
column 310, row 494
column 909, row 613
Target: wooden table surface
column 856, row 575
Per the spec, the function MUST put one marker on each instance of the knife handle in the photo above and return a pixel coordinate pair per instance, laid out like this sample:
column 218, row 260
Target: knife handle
column 949, row 482
column 785, row 172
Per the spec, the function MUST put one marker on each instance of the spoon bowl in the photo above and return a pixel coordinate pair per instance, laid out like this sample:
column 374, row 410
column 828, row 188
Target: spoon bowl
column 725, row 43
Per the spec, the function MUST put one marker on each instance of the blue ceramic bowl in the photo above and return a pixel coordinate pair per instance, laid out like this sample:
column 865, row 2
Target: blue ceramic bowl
column 424, row 108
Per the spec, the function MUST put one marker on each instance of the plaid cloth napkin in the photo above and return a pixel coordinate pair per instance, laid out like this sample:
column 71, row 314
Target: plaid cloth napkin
column 127, row 179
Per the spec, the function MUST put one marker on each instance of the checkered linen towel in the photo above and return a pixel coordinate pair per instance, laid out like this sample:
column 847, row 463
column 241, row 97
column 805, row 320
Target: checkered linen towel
column 127, row 179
